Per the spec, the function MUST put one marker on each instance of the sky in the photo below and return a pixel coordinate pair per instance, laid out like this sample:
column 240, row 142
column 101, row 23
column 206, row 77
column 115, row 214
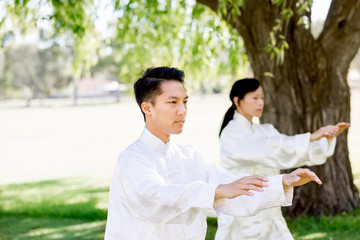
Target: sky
column 320, row 9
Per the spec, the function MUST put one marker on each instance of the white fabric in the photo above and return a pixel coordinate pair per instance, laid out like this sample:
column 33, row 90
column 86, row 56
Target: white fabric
column 165, row 191
column 249, row 148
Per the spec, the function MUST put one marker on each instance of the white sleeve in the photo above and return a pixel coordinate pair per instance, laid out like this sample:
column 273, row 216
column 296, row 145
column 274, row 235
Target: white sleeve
column 274, row 150
column 152, row 199
column 272, row 196
column 319, row 151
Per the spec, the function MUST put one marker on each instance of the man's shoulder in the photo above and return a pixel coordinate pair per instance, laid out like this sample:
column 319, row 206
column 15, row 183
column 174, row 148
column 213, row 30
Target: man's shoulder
column 131, row 151
column 185, row 148
column 193, row 152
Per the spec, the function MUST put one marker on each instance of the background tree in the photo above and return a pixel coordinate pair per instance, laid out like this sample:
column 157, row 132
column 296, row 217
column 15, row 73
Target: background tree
column 177, row 33
column 71, row 24
column 139, row 34
column 304, row 79
column 36, row 72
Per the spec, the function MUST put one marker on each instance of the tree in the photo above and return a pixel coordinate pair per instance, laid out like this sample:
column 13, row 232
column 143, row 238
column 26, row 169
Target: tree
column 143, row 34
column 37, row 71
column 185, row 35
column 72, row 22
column 306, row 87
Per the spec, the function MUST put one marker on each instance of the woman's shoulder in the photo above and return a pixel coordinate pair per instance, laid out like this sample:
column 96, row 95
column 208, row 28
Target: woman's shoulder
column 235, row 130
column 266, row 127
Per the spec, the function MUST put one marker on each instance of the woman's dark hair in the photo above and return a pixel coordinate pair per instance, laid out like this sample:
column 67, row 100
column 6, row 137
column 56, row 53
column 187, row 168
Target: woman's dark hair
column 147, row 88
column 239, row 89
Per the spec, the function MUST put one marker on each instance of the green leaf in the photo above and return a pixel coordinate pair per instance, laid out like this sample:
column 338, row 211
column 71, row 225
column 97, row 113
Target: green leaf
column 272, row 55
column 286, row 45
column 269, row 74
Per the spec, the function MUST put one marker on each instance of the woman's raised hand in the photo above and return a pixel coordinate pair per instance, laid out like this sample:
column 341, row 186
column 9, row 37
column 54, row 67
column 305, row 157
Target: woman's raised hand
column 329, row 131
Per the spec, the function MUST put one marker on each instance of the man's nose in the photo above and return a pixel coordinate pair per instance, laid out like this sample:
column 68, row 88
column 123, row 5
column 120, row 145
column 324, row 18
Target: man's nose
column 182, row 109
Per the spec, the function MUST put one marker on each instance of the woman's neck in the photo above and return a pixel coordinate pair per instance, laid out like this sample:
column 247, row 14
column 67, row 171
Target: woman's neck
column 247, row 116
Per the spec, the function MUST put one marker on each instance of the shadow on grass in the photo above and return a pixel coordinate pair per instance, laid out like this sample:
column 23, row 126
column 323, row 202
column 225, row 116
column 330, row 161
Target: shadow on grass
column 53, row 209
column 211, row 229
column 67, row 198
column 12, row 228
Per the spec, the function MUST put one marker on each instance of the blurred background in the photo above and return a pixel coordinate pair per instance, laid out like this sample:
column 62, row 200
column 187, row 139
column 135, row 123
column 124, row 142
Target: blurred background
column 67, row 107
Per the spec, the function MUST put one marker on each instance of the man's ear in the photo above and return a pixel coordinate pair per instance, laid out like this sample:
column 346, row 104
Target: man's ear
column 146, row 108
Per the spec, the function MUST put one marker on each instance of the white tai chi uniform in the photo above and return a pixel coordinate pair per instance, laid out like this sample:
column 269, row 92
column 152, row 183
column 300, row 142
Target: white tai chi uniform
column 165, row 191
column 259, row 149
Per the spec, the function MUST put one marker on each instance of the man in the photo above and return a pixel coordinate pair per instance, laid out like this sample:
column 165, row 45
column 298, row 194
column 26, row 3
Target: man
column 161, row 190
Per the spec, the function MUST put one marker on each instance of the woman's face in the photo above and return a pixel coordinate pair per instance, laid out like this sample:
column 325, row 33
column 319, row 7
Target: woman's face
column 252, row 104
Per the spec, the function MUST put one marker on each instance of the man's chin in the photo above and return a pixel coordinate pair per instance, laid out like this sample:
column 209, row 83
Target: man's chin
column 177, row 131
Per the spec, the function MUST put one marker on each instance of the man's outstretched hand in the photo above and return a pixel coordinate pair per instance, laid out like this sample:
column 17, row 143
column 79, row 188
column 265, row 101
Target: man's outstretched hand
column 299, row 177
column 241, row 186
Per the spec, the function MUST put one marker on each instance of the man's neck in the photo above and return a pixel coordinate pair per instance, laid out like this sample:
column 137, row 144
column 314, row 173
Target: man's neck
column 162, row 136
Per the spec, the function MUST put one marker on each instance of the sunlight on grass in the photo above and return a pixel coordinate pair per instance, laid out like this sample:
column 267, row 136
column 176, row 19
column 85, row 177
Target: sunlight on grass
column 77, row 230
column 315, row 236
column 342, row 226
column 55, row 198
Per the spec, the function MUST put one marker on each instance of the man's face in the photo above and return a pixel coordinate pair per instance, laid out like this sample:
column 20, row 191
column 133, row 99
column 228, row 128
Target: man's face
column 167, row 115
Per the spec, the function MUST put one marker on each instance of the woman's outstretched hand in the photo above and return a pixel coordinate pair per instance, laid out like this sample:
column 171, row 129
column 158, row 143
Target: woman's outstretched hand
column 329, row 131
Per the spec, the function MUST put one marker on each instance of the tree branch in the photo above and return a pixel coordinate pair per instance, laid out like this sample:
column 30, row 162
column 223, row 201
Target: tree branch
column 212, row 4
column 340, row 37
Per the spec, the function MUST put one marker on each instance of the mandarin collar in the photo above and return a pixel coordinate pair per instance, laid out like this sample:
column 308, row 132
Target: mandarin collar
column 241, row 119
column 154, row 142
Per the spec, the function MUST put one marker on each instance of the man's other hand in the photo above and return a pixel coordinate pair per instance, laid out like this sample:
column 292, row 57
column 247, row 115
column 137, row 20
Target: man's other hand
column 241, row 186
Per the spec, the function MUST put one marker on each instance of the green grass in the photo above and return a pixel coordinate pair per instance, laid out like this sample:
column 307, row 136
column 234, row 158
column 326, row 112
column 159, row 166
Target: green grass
column 54, row 209
column 23, row 227
column 342, row 226
column 77, row 208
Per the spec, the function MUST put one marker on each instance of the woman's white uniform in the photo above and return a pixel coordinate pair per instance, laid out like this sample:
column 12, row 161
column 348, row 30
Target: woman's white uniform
column 249, row 148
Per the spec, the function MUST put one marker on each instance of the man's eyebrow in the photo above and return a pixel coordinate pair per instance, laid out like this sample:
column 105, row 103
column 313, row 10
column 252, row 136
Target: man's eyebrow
column 175, row 97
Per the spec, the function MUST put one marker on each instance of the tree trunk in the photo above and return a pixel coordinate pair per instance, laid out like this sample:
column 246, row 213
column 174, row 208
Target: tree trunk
column 309, row 90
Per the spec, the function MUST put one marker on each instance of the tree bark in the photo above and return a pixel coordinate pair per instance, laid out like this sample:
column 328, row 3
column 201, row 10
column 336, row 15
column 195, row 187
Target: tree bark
column 309, row 90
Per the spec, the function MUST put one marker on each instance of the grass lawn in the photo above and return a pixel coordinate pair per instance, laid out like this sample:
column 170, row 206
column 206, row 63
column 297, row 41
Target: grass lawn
column 76, row 209
column 56, row 209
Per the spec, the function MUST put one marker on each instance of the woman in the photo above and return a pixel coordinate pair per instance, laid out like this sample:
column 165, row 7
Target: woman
column 249, row 148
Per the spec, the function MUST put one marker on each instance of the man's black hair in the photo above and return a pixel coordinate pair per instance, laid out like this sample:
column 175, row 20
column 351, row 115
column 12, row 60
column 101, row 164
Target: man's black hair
column 147, row 88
